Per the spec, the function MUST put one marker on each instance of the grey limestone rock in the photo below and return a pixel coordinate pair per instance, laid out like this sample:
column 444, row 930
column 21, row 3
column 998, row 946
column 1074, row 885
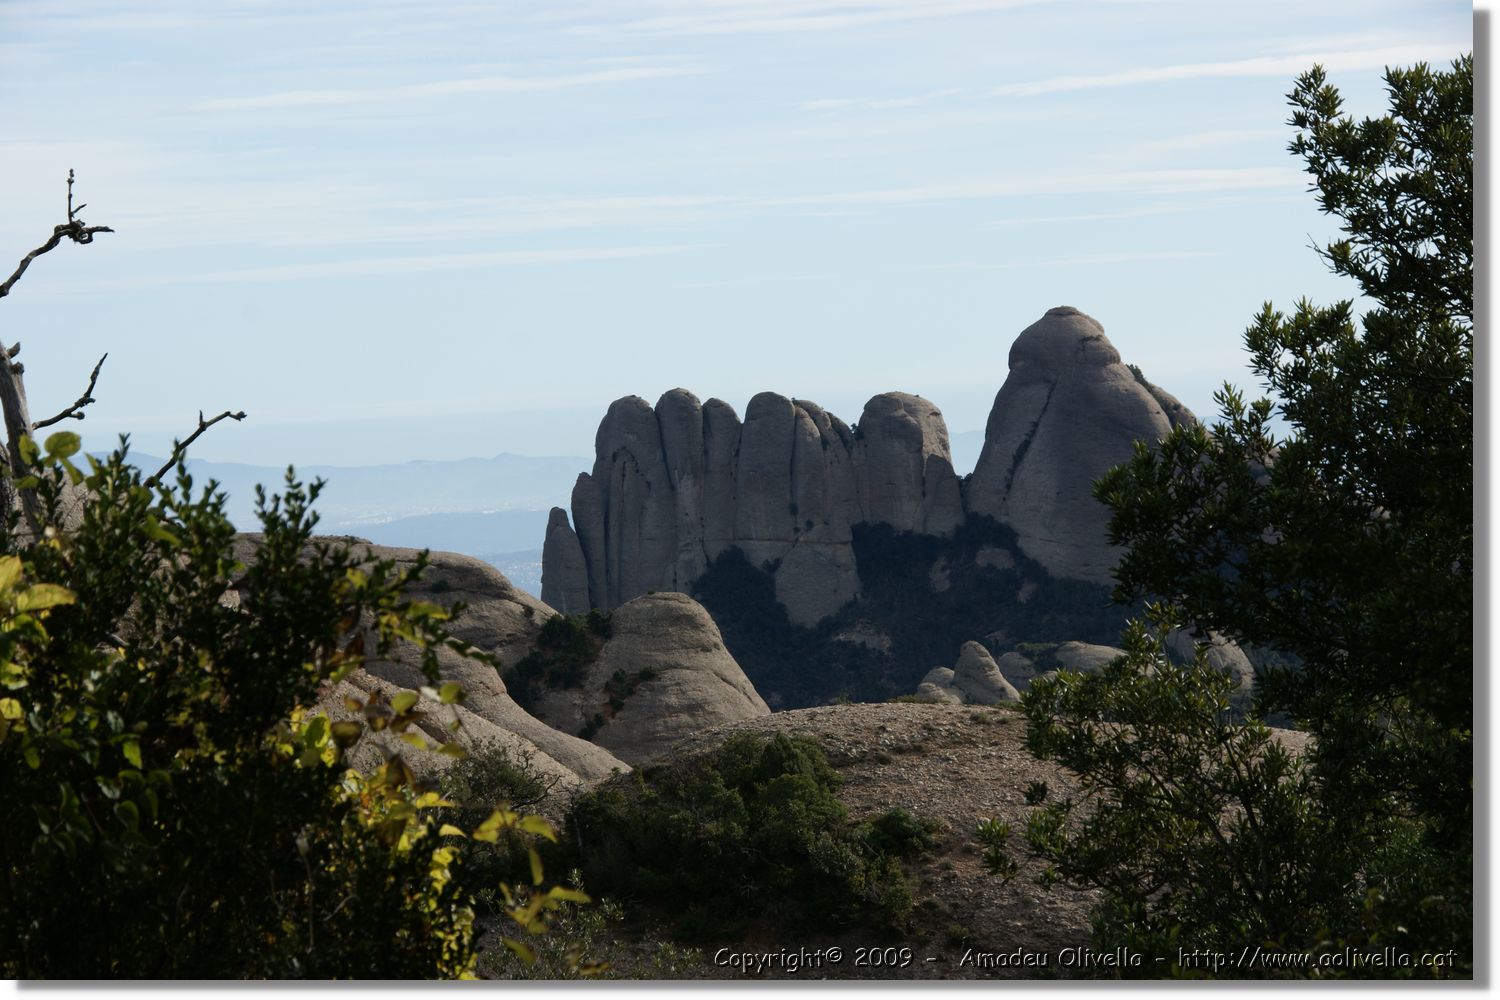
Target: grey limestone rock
column 1017, row 669
column 721, row 450
column 499, row 619
column 764, row 508
column 679, row 416
column 565, row 574
column 640, row 512
column 666, row 665
column 1223, row 654
column 1085, row 657
column 978, row 677
column 1068, row 411
column 588, row 522
column 817, row 574
column 904, row 468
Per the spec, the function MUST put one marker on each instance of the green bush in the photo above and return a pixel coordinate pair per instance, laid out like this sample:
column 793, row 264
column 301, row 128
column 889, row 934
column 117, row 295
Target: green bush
column 169, row 805
column 750, row 834
column 560, row 657
column 898, row 834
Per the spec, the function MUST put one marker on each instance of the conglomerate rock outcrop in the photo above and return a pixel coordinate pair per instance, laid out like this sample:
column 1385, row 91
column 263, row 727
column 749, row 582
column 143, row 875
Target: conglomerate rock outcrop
column 662, row 674
column 676, row 485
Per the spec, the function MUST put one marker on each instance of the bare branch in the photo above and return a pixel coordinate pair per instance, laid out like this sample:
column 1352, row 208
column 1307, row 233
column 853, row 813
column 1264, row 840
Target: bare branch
column 76, row 410
column 182, row 446
column 73, row 229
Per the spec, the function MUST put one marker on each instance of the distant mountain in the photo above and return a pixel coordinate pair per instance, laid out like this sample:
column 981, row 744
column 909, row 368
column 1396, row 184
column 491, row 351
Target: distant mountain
column 494, row 509
column 358, row 497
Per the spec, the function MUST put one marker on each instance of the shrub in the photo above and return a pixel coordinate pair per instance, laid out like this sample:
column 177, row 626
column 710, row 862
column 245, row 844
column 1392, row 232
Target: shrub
column 750, row 833
column 560, row 657
column 171, row 806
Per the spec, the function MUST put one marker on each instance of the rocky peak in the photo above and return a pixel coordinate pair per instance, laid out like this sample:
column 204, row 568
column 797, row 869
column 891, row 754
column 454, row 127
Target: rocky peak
column 1068, row 411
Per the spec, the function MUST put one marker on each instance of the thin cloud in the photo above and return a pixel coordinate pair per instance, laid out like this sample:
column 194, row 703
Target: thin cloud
column 763, row 18
column 1080, row 261
column 443, row 88
column 1144, row 211
column 1280, row 66
column 393, row 265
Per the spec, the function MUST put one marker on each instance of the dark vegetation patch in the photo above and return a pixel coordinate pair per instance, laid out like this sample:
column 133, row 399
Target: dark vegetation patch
column 748, row 838
column 794, row 666
column 559, row 658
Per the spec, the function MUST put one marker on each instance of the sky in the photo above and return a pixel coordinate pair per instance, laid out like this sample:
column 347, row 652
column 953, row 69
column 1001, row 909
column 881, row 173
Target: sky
column 399, row 230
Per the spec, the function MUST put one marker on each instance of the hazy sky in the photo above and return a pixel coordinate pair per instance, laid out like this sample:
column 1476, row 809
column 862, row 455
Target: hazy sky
column 403, row 229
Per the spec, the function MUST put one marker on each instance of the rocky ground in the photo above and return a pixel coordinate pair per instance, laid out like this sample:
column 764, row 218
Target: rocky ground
column 954, row 763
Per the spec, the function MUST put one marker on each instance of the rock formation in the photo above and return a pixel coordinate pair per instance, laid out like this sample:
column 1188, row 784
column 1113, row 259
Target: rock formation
column 662, row 674
column 675, row 486
column 1068, row 411
column 500, row 620
column 905, row 468
column 974, row 680
column 565, row 572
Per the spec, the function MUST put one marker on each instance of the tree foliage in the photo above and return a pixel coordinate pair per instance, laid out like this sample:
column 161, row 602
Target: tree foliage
column 170, row 804
column 1346, row 547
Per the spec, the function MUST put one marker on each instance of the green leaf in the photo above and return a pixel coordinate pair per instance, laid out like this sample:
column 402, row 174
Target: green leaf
column 40, row 596
column 404, row 701
column 28, row 449
column 132, row 751
column 538, row 826
column 10, row 709
column 521, row 950
column 316, row 731
column 63, row 444
column 451, row 693
column 346, row 734
column 563, row 895
column 489, row 830
column 536, row 865
column 127, row 813
column 154, row 530
column 449, row 830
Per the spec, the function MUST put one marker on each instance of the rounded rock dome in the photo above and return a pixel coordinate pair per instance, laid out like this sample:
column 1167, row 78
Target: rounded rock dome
column 1063, row 338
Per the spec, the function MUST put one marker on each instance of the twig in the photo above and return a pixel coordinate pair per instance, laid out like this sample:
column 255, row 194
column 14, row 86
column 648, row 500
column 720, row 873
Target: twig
column 73, row 229
column 181, row 446
column 76, row 410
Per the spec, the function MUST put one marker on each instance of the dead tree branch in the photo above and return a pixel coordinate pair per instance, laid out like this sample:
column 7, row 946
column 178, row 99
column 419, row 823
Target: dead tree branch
column 76, row 410
column 74, row 229
column 12, row 389
column 181, row 446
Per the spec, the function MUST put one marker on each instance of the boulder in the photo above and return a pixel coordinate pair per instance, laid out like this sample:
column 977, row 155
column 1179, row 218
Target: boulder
column 1223, row 654
column 1085, row 657
column 1017, row 669
column 662, row 674
column 937, row 687
column 978, row 677
column 1068, row 411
